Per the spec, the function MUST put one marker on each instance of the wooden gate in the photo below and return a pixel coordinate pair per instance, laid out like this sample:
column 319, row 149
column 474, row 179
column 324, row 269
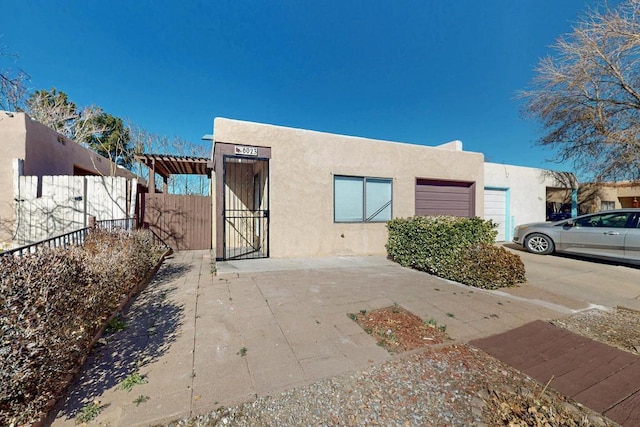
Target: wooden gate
column 183, row 222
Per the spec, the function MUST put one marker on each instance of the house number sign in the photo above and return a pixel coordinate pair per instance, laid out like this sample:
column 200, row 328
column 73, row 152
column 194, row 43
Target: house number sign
column 246, row 151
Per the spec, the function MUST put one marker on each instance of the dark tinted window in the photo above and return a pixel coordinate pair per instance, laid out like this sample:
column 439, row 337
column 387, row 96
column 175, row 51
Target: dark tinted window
column 613, row 220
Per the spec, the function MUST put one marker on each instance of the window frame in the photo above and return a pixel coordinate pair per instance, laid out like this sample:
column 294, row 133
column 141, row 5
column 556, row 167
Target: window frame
column 611, row 205
column 364, row 200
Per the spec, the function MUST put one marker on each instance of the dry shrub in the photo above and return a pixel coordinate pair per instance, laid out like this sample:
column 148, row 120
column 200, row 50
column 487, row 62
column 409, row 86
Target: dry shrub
column 525, row 407
column 51, row 305
column 489, row 267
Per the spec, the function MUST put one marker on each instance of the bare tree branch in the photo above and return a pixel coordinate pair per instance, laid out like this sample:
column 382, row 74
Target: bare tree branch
column 147, row 142
column 587, row 96
column 13, row 86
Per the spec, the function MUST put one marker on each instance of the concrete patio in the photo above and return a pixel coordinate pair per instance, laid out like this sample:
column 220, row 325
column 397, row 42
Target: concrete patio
column 204, row 340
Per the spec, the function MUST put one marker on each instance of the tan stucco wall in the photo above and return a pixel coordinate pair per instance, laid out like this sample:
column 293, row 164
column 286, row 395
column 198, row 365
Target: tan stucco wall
column 627, row 189
column 49, row 153
column 302, row 167
column 613, row 194
column 622, row 194
column 12, row 136
column 527, row 190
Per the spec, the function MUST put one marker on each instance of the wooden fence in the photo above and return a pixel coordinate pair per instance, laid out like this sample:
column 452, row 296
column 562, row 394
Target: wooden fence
column 182, row 221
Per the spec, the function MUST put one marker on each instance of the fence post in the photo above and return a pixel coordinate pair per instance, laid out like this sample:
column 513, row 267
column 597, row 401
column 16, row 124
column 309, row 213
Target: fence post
column 92, row 221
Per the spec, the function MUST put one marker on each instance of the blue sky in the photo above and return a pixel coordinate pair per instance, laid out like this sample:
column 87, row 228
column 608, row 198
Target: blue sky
column 422, row 71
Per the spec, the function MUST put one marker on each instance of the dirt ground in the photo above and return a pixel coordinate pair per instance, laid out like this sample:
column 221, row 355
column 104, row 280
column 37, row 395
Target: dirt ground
column 515, row 399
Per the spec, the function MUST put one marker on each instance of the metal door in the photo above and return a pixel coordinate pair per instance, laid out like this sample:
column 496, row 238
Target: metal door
column 246, row 208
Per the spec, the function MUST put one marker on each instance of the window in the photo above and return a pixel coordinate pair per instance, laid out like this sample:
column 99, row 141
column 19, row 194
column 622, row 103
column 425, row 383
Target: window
column 613, row 220
column 361, row 199
column 607, row 206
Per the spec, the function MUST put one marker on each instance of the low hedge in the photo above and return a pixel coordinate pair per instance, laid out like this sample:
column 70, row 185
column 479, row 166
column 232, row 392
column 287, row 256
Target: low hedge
column 51, row 305
column 489, row 267
column 453, row 248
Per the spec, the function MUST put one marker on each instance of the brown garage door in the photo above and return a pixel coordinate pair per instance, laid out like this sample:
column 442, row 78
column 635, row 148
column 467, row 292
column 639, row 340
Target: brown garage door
column 445, row 198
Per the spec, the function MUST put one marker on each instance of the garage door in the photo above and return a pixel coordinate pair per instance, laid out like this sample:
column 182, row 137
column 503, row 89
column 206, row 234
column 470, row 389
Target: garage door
column 495, row 209
column 445, row 198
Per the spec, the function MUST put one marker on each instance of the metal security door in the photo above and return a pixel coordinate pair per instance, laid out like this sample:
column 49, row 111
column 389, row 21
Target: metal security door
column 246, row 208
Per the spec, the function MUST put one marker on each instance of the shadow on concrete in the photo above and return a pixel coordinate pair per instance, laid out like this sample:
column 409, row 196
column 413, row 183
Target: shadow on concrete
column 516, row 247
column 153, row 322
column 597, row 260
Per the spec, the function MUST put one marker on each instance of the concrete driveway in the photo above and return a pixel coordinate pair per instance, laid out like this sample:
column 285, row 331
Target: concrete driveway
column 263, row 326
column 570, row 280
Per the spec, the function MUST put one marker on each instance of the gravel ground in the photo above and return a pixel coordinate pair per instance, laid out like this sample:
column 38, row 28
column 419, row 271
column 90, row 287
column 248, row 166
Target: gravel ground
column 619, row 328
column 443, row 385
column 448, row 385
column 413, row 390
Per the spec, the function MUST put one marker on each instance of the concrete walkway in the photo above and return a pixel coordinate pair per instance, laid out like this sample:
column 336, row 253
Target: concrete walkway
column 262, row 326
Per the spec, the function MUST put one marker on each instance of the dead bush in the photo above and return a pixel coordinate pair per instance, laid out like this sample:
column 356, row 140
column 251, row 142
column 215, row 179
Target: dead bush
column 489, row 267
column 51, row 305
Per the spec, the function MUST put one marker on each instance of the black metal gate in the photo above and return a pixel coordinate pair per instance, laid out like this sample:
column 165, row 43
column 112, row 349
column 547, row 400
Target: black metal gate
column 246, row 207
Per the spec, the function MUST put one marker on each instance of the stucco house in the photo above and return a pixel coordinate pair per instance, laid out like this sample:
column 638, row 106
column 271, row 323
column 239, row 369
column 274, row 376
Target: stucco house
column 284, row 192
column 28, row 148
column 516, row 195
column 595, row 197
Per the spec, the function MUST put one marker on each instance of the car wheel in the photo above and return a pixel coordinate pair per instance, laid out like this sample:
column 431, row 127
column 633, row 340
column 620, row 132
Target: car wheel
column 539, row 244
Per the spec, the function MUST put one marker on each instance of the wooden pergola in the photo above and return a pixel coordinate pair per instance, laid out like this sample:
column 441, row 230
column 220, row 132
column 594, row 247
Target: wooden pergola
column 166, row 165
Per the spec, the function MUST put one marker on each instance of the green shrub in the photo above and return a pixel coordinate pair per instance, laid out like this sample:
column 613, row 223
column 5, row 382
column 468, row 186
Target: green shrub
column 454, row 248
column 489, row 267
column 51, row 305
column 432, row 243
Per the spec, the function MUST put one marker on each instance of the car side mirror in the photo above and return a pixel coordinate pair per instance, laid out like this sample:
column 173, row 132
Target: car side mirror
column 570, row 223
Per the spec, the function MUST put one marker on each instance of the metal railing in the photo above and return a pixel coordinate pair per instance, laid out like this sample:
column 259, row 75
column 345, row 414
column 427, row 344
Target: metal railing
column 75, row 238
column 121, row 224
column 156, row 239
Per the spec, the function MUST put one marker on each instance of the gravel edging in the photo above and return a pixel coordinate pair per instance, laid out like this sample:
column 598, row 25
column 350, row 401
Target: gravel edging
column 442, row 385
column 413, row 389
column 447, row 385
column 619, row 327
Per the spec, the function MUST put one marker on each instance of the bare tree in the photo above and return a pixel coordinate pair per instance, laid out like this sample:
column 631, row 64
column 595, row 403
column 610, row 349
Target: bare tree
column 13, row 89
column 53, row 109
column 141, row 139
column 587, row 95
column 85, row 126
column 189, row 184
column 90, row 126
column 13, row 86
column 144, row 141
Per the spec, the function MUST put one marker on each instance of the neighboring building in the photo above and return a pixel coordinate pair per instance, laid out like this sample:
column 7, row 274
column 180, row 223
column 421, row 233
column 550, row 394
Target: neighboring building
column 284, row 192
column 518, row 195
column 28, row 148
column 595, row 197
